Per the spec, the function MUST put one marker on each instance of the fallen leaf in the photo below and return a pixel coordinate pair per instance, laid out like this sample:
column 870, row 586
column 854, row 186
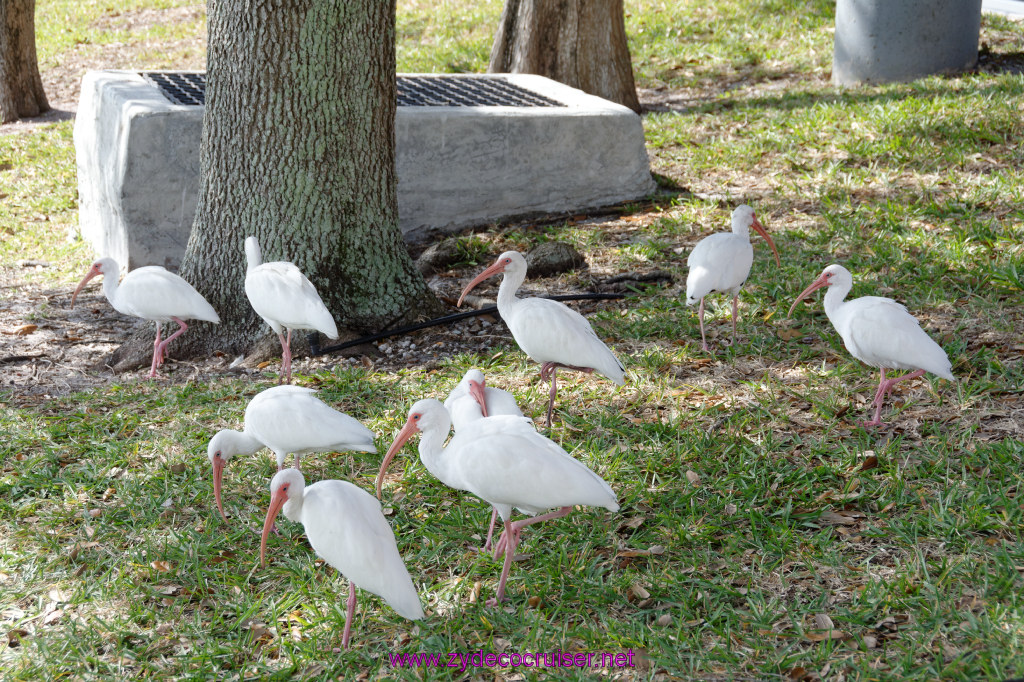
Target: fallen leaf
column 870, row 462
column 664, row 620
column 730, row 509
column 52, row 617
column 162, row 566
column 834, row 518
column 693, row 477
column 263, row 365
column 533, row 601
column 633, row 522
column 79, row 546
column 14, row 636
column 474, row 594
column 178, row 468
column 822, row 622
column 825, row 635
column 23, row 330
column 637, row 591
column 790, row 334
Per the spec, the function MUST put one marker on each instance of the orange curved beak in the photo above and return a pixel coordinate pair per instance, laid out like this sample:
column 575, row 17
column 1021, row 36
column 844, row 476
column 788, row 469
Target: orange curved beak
column 822, row 281
column 489, row 272
column 276, row 502
column 759, row 228
column 218, row 474
column 403, row 436
column 477, row 390
column 93, row 271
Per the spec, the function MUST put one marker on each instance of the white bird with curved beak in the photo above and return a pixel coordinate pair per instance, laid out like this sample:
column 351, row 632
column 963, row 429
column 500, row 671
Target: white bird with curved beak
column 152, row 293
column 505, row 462
column 550, row 332
column 471, row 400
column 285, row 299
column 347, row 529
column 879, row 332
column 288, row 420
column 721, row 263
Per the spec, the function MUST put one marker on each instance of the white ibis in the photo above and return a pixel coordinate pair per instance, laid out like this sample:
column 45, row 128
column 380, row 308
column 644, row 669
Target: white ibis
column 721, row 263
column 347, row 529
column 505, row 462
column 472, row 399
column 549, row 332
column 151, row 293
column 285, row 299
column 288, row 420
column 879, row 332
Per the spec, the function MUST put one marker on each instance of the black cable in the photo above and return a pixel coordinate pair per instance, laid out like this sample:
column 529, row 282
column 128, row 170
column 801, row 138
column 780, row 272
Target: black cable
column 315, row 349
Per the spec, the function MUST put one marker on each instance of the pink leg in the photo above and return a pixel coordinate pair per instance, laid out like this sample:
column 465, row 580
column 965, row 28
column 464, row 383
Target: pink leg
column 156, row 353
column 284, row 351
column 288, row 358
column 885, row 386
column 703, row 339
column 735, row 314
column 500, row 594
column 518, row 526
column 490, row 528
column 296, row 460
column 550, row 368
column 349, row 614
column 181, row 330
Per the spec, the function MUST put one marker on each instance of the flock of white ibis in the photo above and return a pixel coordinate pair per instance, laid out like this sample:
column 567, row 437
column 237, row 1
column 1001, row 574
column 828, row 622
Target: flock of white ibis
column 496, row 453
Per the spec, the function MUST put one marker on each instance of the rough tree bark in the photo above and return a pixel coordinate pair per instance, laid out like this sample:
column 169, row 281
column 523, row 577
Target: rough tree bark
column 581, row 43
column 298, row 150
column 21, row 88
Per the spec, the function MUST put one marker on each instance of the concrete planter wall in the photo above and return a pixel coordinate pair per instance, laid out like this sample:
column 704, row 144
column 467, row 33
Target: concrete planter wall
column 456, row 166
column 881, row 41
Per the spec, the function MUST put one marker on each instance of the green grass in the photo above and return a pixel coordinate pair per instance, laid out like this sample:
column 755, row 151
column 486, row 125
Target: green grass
column 744, row 471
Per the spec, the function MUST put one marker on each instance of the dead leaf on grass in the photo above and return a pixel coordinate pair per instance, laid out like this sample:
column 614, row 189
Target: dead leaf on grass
column 79, row 547
column 637, row 592
column 52, row 616
column 823, row 622
column 23, row 330
column 633, row 522
column 825, row 635
column 693, row 477
column 837, row 518
column 162, row 566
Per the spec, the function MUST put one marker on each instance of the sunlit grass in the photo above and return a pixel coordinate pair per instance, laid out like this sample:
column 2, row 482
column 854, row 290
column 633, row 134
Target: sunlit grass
column 752, row 504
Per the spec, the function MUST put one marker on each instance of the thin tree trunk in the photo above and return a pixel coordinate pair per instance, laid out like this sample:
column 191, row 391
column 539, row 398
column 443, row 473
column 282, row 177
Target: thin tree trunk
column 581, row 43
column 298, row 150
column 21, row 88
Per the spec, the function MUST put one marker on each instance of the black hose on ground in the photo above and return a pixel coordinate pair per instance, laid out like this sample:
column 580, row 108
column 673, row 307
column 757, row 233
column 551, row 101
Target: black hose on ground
column 315, row 349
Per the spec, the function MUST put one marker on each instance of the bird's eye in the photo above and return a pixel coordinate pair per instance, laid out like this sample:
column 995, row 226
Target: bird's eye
column 217, row 454
column 508, row 261
column 416, row 417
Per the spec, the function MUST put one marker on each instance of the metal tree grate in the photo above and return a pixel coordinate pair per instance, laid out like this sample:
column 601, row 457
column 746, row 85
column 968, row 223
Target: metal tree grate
column 413, row 91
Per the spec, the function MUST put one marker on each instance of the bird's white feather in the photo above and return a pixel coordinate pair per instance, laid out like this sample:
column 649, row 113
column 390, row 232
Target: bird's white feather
column 346, row 528
column 292, row 420
column 153, row 293
column 718, row 263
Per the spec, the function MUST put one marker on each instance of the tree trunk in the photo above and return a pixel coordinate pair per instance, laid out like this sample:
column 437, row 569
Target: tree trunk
column 581, row 43
column 298, row 150
column 21, row 88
